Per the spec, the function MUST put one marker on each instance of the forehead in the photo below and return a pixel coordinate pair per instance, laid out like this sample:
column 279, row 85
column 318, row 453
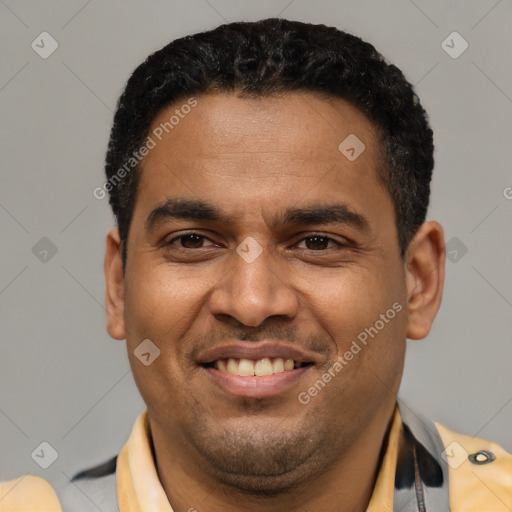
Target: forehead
column 266, row 149
column 300, row 122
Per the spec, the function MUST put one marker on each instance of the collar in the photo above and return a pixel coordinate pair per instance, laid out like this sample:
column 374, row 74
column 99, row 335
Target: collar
column 137, row 485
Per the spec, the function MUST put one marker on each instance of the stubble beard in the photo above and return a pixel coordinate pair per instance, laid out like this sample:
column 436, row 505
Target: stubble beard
column 264, row 461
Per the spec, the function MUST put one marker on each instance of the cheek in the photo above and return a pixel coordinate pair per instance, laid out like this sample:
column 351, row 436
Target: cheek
column 370, row 356
column 159, row 307
column 349, row 301
column 364, row 313
column 161, row 304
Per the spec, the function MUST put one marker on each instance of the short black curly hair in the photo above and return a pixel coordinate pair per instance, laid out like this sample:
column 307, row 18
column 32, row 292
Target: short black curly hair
column 272, row 56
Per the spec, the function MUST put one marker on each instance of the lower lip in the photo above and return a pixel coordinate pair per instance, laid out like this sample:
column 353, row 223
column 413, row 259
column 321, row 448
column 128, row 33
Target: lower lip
column 257, row 387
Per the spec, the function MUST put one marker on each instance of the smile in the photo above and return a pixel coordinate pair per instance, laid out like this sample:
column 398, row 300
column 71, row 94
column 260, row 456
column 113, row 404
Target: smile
column 257, row 369
column 260, row 367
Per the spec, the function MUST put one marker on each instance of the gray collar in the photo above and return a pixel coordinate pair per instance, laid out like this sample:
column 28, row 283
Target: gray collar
column 421, row 478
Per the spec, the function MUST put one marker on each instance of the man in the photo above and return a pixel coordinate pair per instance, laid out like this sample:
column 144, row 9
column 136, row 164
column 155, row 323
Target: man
column 270, row 183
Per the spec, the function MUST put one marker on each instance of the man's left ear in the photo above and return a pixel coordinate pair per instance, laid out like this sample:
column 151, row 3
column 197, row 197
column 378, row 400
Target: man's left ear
column 424, row 261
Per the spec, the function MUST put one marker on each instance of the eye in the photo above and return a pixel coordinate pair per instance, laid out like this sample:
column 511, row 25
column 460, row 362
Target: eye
column 314, row 242
column 319, row 242
column 188, row 241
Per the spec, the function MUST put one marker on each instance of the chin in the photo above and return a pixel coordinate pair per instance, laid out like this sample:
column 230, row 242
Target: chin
column 261, row 459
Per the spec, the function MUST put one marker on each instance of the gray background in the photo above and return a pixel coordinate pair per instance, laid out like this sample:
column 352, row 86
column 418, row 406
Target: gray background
column 63, row 380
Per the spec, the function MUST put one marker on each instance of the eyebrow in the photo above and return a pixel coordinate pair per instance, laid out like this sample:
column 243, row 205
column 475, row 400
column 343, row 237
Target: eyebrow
column 188, row 209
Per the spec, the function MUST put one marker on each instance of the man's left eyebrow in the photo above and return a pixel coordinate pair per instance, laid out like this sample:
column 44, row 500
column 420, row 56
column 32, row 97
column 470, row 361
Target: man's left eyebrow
column 323, row 215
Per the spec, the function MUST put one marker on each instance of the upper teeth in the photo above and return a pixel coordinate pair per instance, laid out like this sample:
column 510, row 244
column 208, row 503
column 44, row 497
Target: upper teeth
column 260, row 367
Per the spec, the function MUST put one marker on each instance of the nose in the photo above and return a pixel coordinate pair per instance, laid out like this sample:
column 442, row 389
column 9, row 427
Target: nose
column 252, row 291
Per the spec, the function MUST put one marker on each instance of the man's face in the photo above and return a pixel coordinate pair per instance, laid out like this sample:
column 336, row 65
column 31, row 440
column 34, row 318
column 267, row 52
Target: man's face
column 263, row 165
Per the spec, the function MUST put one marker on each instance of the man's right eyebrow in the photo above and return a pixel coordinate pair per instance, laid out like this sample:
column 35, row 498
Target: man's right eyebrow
column 184, row 209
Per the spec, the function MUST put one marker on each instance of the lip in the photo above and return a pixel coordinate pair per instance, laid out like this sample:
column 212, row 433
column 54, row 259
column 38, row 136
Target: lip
column 257, row 350
column 256, row 387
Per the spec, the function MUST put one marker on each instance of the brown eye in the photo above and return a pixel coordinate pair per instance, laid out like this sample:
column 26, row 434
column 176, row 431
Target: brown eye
column 189, row 241
column 192, row 241
column 317, row 243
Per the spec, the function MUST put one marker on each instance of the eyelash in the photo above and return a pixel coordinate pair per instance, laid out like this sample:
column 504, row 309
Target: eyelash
column 313, row 235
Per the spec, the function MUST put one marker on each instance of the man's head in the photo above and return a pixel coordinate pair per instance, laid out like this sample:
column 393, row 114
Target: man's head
column 276, row 215
column 274, row 56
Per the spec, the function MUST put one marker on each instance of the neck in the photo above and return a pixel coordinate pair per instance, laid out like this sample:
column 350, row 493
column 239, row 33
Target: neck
column 348, row 481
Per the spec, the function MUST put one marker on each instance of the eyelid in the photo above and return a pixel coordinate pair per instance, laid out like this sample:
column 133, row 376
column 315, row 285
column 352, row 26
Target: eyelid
column 188, row 233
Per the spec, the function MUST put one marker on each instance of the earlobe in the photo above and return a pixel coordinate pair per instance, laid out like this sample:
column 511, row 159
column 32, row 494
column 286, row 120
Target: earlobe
column 114, row 286
column 425, row 260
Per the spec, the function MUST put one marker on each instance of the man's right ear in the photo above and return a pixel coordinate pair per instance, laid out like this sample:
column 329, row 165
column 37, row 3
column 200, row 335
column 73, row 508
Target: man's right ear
column 114, row 285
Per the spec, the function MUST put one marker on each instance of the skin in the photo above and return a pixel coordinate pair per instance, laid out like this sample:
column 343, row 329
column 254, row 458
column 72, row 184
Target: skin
column 254, row 158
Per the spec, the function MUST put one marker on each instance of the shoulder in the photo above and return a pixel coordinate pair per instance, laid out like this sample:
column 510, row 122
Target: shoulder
column 28, row 492
column 480, row 472
column 92, row 489
column 447, row 470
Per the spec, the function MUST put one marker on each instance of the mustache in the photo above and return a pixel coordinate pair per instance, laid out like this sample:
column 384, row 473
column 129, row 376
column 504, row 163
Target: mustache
column 321, row 344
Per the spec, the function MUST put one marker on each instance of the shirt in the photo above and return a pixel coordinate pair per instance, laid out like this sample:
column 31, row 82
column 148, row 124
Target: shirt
column 421, row 462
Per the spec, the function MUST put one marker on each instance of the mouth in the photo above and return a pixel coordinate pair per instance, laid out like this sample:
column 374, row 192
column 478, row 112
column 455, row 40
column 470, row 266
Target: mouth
column 257, row 371
column 262, row 367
